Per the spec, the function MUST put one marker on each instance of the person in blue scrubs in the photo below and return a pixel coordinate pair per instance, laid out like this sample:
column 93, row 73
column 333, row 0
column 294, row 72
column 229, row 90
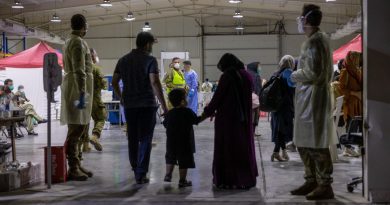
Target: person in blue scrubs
column 192, row 82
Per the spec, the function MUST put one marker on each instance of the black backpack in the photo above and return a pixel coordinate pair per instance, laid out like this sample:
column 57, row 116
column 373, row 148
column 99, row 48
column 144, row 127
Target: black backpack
column 272, row 94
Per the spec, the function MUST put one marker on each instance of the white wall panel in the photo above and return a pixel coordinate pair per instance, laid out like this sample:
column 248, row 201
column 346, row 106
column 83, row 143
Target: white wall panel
column 265, row 56
column 108, row 66
column 240, row 41
column 248, row 48
column 111, row 48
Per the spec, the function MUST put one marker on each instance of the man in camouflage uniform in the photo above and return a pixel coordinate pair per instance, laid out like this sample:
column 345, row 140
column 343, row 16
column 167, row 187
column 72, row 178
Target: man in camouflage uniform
column 76, row 95
column 99, row 113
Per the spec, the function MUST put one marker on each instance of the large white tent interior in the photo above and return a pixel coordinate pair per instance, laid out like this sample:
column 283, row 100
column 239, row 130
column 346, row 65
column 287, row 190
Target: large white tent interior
column 203, row 30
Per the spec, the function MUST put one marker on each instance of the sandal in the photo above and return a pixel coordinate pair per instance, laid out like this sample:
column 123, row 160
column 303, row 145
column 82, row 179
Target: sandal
column 184, row 183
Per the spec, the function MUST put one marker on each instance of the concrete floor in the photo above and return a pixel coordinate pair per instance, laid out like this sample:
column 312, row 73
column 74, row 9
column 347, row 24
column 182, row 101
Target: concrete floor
column 113, row 182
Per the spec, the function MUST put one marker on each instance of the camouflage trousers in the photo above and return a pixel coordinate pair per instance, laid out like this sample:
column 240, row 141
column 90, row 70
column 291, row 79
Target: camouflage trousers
column 30, row 116
column 318, row 165
column 99, row 116
column 75, row 132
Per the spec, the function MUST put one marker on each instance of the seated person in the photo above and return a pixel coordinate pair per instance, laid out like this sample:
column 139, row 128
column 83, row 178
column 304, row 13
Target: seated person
column 23, row 103
column 20, row 94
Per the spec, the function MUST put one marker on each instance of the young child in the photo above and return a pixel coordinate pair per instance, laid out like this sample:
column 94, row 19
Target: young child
column 180, row 137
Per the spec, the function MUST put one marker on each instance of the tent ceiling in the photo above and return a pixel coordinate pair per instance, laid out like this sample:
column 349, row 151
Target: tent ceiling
column 37, row 13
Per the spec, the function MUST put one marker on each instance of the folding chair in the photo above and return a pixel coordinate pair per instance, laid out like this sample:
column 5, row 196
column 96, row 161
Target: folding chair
column 354, row 136
column 4, row 131
column 337, row 114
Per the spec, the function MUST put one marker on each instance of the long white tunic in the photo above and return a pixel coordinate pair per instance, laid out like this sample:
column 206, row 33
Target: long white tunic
column 78, row 78
column 313, row 125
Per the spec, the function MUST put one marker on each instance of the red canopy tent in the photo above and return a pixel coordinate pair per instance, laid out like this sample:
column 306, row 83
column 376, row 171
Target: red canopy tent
column 354, row 45
column 30, row 58
column 26, row 68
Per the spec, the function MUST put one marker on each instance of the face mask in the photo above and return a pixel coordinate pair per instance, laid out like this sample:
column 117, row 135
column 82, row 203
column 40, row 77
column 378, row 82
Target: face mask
column 259, row 69
column 85, row 31
column 11, row 88
column 176, row 65
column 300, row 22
column 300, row 27
column 97, row 59
column 21, row 90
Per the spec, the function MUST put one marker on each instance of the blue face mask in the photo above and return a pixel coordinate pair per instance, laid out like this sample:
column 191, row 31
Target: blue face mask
column 11, row 87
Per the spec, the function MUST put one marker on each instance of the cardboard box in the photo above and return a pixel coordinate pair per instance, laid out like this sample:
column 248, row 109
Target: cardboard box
column 58, row 165
column 21, row 178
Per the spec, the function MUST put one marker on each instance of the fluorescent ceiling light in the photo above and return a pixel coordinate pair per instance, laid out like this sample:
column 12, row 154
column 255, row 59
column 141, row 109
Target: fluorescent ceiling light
column 235, row 1
column 146, row 27
column 130, row 16
column 55, row 19
column 239, row 27
column 17, row 5
column 330, row 0
column 106, row 3
column 237, row 14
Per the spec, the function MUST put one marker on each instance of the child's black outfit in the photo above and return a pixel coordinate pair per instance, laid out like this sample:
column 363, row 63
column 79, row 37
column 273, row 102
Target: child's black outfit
column 180, row 137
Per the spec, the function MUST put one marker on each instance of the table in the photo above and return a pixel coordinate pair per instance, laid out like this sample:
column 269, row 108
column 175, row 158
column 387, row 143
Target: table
column 11, row 122
column 114, row 106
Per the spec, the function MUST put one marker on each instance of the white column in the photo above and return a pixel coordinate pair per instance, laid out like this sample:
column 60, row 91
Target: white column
column 376, row 50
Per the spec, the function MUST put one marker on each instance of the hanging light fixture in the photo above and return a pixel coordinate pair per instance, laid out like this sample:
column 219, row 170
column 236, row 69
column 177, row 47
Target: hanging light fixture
column 330, row 0
column 235, row 1
column 55, row 19
column 106, row 3
column 129, row 16
column 237, row 14
column 239, row 27
column 146, row 27
column 17, row 5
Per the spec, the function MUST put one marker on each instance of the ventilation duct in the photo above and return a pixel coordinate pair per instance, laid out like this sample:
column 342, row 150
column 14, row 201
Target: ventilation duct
column 354, row 25
column 22, row 30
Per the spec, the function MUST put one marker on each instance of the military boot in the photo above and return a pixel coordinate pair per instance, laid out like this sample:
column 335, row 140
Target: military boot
column 96, row 143
column 86, row 147
column 86, row 171
column 322, row 192
column 75, row 174
column 305, row 189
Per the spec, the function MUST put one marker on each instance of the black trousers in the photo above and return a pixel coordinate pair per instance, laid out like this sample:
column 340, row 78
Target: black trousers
column 280, row 142
column 140, row 129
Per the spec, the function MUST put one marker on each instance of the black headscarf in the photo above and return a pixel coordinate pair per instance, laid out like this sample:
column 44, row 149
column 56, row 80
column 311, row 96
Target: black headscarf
column 253, row 70
column 230, row 65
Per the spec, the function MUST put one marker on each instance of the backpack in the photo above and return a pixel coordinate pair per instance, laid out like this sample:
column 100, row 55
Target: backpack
column 272, row 94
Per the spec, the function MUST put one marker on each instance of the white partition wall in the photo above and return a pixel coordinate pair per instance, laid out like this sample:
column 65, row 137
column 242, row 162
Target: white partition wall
column 171, row 55
column 376, row 51
column 249, row 48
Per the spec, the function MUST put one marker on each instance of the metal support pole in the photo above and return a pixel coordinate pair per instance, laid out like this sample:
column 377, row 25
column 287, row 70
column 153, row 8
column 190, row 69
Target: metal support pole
column 49, row 160
column 24, row 43
column 6, row 45
column 202, row 53
column 3, row 41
